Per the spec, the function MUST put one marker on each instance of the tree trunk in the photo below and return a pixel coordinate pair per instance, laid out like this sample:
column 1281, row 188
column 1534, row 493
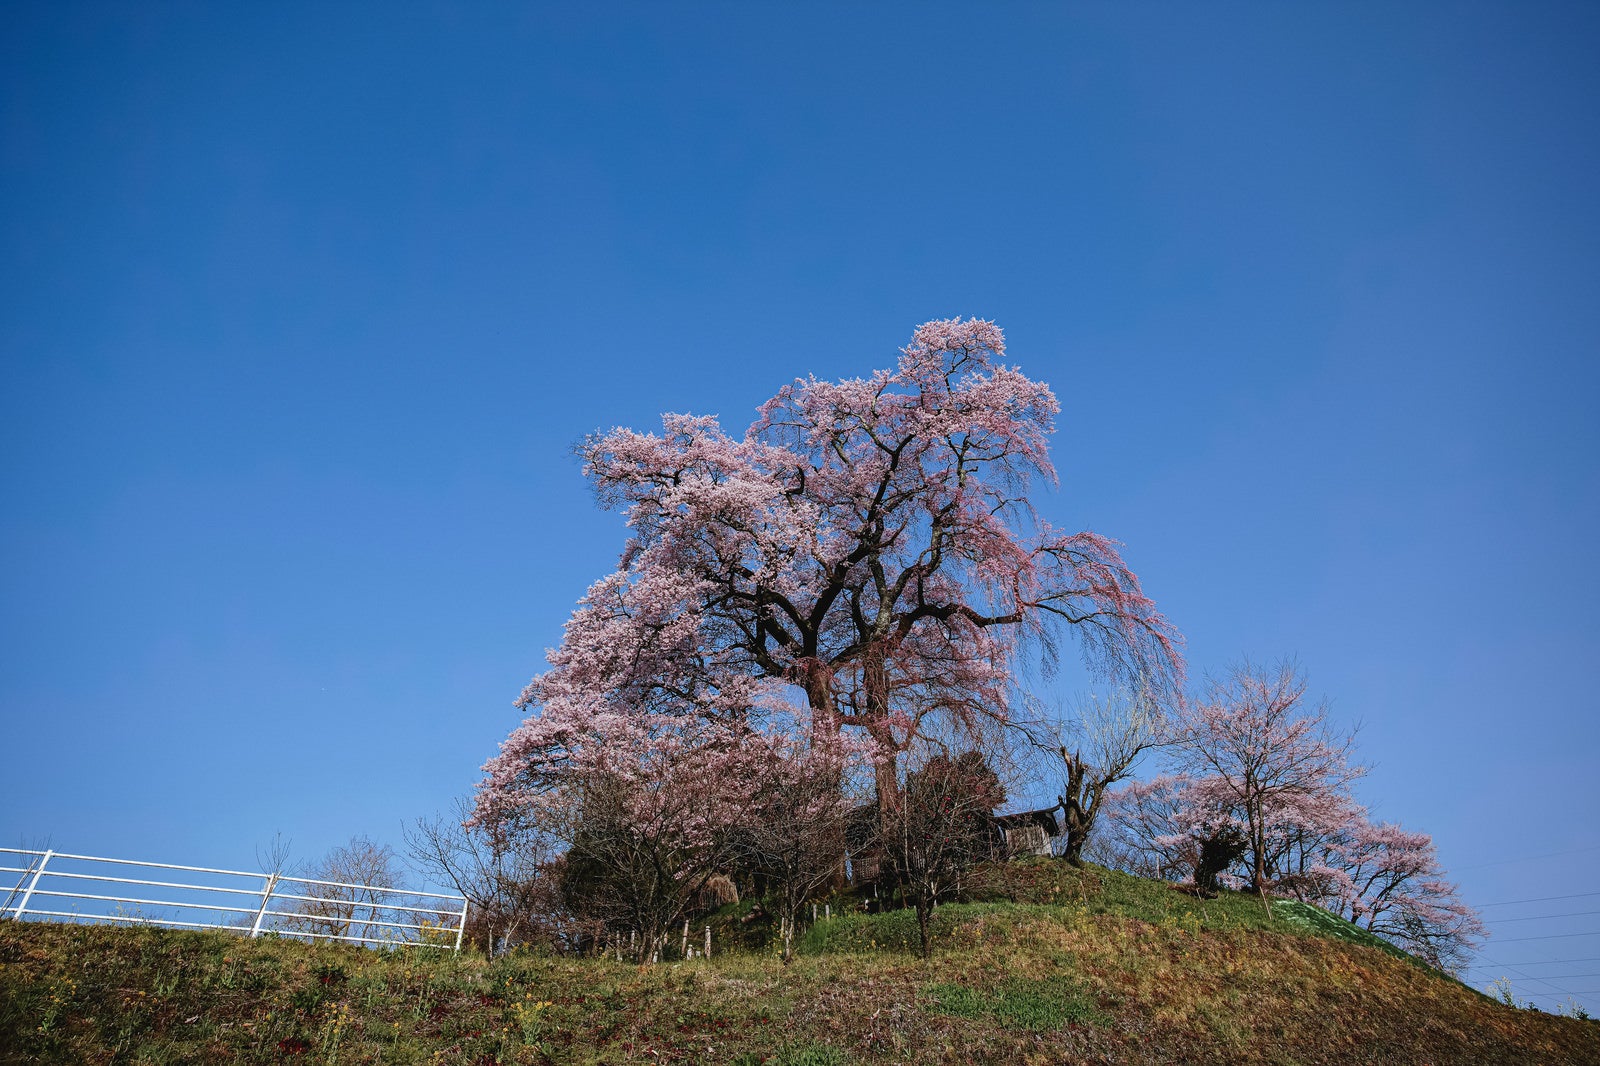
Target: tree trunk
column 875, row 690
column 1076, row 818
column 886, row 776
column 1217, row 853
column 818, row 683
column 924, row 913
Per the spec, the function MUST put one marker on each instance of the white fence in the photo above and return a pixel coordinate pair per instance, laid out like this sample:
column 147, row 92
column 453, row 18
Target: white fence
column 55, row 886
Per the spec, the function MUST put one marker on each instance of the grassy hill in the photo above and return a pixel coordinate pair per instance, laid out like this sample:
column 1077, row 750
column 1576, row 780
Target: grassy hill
column 1047, row 965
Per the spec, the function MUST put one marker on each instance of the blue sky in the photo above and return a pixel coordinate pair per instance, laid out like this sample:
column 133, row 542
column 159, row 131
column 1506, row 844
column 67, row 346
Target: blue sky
column 305, row 307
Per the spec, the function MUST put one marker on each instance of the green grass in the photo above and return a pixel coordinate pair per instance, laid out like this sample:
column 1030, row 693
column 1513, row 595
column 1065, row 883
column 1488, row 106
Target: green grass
column 1047, row 964
column 1018, row 895
column 1038, row 1005
column 1316, row 920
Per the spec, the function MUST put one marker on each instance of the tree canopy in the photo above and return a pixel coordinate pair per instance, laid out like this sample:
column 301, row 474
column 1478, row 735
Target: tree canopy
column 865, row 556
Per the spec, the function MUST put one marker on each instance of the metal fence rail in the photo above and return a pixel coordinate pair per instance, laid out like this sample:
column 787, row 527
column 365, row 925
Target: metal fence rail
column 53, row 885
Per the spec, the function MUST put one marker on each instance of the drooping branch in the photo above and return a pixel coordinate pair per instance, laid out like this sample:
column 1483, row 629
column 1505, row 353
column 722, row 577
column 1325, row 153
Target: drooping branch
column 870, row 543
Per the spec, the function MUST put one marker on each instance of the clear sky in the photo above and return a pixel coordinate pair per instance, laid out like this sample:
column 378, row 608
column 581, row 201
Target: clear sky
column 302, row 307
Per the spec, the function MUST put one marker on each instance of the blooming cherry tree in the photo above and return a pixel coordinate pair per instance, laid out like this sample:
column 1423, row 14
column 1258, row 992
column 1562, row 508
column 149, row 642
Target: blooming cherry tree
column 863, row 557
column 1386, row 878
column 1265, row 768
column 1255, row 747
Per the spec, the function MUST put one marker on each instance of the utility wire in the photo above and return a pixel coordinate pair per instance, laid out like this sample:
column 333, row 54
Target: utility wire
column 1534, row 993
column 1540, row 917
column 1552, row 936
column 1526, row 858
column 1540, row 899
column 1553, row 977
column 1570, row 995
column 1528, row 977
column 1543, row 962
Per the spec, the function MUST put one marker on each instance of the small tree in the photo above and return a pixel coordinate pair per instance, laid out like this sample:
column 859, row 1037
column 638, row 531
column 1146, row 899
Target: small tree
column 505, row 879
column 1144, row 832
column 1269, row 782
column 1260, row 750
column 642, row 844
column 1097, row 745
column 273, row 858
column 793, row 837
column 1175, row 828
column 942, row 827
column 1388, row 879
column 347, row 889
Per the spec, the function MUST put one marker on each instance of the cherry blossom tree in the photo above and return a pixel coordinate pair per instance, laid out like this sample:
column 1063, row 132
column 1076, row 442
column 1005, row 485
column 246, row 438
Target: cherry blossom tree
column 866, row 554
column 793, row 839
column 1174, row 827
column 1144, row 829
column 644, row 835
column 1253, row 746
column 1387, row 879
column 1268, row 781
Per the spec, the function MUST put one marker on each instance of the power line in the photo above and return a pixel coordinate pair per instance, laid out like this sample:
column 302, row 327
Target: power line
column 1540, row 899
column 1552, row 936
column 1546, row 962
column 1535, row 993
column 1553, row 977
column 1526, row 858
column 1555, row 995
column 1540, row 917
column 1529, row 977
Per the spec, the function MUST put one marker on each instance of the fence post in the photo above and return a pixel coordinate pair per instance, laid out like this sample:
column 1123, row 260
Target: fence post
column 266, row 898
column 708, row 941
column 22, row 905
column 461, row 929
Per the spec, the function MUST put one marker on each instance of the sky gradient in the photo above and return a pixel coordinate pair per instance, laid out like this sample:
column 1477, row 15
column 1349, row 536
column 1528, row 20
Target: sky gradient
column 305, row 308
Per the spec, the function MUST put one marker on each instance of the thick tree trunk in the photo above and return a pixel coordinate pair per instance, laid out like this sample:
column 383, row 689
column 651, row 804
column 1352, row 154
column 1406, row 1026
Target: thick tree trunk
column 818, row 682
column 886, row 775
column 1217, row 853
column 875, row 690
column 1076, row 818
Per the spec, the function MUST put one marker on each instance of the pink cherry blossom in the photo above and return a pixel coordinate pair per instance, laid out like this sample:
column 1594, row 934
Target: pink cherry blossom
column 863, row 558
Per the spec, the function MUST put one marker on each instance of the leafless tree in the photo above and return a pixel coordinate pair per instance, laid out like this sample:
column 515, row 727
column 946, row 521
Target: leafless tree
column 943, row 825
column 345, row 891
column 505, row 878
column 1092, row 746
column 273, row 857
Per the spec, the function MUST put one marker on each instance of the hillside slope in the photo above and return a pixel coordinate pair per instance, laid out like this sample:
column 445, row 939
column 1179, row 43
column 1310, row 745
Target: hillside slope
column 1063, row 969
